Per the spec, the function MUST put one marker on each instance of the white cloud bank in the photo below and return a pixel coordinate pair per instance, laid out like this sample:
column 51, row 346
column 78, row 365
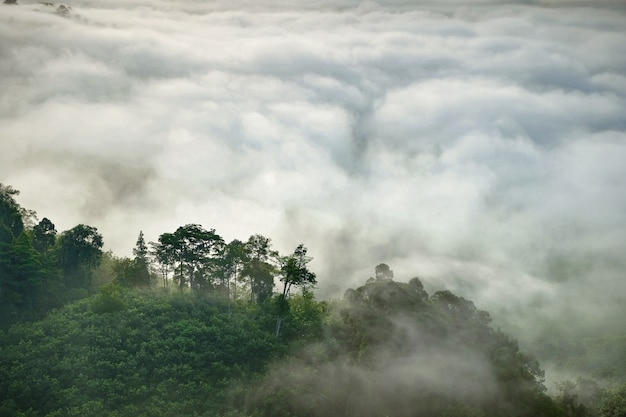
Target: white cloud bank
column 480, row 145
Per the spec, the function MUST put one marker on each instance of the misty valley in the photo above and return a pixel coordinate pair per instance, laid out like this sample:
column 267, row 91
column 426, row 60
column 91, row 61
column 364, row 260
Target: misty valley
column 194, row 326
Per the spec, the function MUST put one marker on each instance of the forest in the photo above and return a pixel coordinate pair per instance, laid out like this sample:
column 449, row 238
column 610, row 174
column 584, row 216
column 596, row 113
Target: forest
column 192, row 325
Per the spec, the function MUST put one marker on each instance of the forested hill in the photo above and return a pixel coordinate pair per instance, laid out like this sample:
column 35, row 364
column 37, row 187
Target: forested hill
column 386, row 349
column 195, row 326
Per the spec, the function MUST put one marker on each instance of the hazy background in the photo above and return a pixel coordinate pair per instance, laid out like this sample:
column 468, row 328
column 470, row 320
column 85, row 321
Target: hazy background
column 478, row 145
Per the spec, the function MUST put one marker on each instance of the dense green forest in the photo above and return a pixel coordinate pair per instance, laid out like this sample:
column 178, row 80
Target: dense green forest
column 194, row 326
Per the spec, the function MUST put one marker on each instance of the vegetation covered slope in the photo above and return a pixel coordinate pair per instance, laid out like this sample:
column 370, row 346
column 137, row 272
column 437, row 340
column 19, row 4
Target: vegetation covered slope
column 387, row 349
column 134, row 354
column 391, row 350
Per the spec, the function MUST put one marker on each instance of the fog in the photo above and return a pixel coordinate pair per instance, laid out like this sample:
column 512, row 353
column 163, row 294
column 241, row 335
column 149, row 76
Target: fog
column 403, row 385
column 477, row 145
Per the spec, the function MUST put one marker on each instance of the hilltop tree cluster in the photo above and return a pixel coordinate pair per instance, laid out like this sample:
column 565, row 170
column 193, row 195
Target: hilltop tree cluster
column 42, row 269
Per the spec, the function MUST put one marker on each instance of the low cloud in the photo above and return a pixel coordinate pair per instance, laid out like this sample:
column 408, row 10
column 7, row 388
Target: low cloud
column 408, row 371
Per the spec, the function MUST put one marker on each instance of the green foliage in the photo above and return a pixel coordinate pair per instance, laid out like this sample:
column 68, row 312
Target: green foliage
column 141, row 277
column 131, row 273
column 258, row 267
column 390, row 350
column 387, row 349
column 44, row 235
column 383, row 272
column 124, row 353
column 603, row 357
column 192, row 253
column 295, row 271
column 306, row 318
column 28, row 268
column 578, row 399
column 79, row 251
column 109, row 300
column 17, row 259
column 614, row 403
column 11, row 214
column 20, row 272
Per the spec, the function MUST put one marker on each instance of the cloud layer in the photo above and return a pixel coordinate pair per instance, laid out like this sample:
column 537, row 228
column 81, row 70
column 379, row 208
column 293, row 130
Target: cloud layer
column 479, row 145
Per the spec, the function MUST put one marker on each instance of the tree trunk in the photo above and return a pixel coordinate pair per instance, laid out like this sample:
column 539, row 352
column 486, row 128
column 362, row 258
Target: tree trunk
column 279, row 320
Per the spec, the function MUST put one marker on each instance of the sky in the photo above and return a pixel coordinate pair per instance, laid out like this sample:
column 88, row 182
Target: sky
column 478, row 145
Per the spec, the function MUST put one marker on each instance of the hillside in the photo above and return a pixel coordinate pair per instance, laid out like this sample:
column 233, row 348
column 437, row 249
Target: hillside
column 386, row 349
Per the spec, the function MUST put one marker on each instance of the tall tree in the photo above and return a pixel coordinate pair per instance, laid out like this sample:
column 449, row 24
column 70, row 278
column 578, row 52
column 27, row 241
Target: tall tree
column 134, row 272
column 164, row 252
column 260, row 269
column 231, row 262
column 383, row 272
column 294, row 272
column 141, row 263
column 11, row 214
column 21, row 275
column 20, row 268
column 193, row 253
column 141, row 249
column 79, row 251
column 44, row 235
column 199, row 249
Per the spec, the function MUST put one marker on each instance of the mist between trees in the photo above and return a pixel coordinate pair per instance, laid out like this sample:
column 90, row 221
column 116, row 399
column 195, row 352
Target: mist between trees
column 195, row 326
